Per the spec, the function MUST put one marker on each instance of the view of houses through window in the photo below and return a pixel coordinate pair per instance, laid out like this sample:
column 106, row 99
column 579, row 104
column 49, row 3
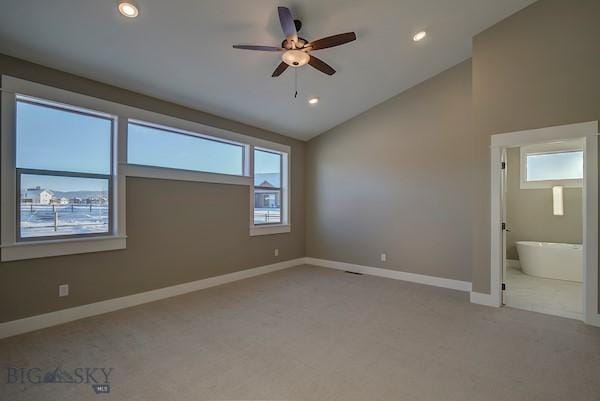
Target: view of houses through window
column 267, row 187
column 63, row 171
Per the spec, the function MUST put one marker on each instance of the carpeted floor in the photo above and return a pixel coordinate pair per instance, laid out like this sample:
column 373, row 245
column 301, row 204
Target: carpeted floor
column 309, row 333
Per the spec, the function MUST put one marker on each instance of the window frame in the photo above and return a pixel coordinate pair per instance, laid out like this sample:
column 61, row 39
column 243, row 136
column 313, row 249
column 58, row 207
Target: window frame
column 12, row 245
column 192, row 134
column 284, row 226
column 11, row 249
column 549, row 148
column 277, row 189
column 55, row 173
column 60, row 173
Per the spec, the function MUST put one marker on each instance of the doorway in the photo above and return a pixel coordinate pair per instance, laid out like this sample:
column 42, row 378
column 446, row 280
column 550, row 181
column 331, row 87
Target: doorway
column 542, row 206
column 536, row 264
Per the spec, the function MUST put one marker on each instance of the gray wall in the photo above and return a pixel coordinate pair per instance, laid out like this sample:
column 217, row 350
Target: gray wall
column 202, row 233
column 411, row 176
column 538, row 68
column 529, row 211
column 396, row 180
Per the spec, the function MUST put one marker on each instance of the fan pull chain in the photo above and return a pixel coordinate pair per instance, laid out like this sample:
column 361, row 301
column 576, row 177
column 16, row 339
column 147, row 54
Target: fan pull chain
column 295, row 83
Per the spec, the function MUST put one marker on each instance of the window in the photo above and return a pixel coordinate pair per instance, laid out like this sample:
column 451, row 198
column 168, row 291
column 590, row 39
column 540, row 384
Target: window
column 267, row 187
column 65, row 158
column 161, row 147
column 555, row 166
column 270, row 192
column 552, row 164
column 63, row 171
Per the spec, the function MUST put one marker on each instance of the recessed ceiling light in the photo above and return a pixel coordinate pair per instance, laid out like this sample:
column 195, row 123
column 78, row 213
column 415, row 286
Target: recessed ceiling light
column 129, row 8
column 313, row 100
column 419, row 36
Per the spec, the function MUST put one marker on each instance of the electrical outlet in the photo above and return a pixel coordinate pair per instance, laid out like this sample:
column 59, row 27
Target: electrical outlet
column 63, row 290
column 383, row 257
column 276, row 252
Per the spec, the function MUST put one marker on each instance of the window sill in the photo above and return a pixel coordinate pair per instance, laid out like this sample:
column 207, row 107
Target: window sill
column 164, row 173
column 43, row 249
column 548, row 184
column 270, row 229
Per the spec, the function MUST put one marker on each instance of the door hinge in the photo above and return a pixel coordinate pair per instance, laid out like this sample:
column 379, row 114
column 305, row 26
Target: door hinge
column 503, row 165
column 503, row 286
column 504, row 226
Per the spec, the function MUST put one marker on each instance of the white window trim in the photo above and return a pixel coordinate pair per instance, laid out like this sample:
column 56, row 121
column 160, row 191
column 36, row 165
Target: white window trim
column 285, row 225
column 165, row 173
column 552, row 147
column 10, row 249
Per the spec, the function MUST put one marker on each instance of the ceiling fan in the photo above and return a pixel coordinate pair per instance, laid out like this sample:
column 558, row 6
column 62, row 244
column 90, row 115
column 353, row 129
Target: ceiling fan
column 296, row 50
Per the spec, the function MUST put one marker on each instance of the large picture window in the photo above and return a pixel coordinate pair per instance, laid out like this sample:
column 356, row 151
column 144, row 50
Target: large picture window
column 63, row 171
column 267, row 187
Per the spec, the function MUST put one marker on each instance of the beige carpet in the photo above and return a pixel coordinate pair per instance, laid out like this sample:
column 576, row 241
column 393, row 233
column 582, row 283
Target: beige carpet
column 315, row 334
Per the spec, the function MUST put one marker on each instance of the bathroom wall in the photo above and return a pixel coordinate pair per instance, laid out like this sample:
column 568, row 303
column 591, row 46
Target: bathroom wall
column 529, row 211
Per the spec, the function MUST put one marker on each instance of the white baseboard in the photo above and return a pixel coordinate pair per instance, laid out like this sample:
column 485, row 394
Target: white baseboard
column 37, row 322
column 393, row 274
column 484, row 299
column 594, row 320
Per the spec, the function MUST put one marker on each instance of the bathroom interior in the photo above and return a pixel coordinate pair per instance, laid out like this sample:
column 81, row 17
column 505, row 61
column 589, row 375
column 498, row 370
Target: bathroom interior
column 544, row 228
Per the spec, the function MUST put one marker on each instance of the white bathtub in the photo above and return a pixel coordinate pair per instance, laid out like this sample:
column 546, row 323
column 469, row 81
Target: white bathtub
column 551, row 260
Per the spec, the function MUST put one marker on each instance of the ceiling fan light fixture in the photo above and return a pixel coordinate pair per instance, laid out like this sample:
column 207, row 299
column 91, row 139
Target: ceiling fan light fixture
column 129, row 8
column 419, row 36
column 295, row 58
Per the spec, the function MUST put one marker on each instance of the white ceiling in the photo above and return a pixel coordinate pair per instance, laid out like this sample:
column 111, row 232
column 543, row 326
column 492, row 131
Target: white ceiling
column 180, row 50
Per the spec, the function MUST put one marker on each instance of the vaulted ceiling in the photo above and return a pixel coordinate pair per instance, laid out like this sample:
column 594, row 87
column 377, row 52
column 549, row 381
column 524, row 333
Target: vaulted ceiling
column 180, row 50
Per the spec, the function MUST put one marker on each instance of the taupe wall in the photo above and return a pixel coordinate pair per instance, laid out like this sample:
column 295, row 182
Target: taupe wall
column 538, row 68
column 411, row 178
column 178, row 231
column 530, row 214
column 396, row 180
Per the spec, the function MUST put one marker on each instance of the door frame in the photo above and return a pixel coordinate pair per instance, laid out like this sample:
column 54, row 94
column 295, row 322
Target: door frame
column 588, row 131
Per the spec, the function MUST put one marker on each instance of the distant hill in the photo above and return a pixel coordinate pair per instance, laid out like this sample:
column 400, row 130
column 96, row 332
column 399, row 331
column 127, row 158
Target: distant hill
column 79, row 194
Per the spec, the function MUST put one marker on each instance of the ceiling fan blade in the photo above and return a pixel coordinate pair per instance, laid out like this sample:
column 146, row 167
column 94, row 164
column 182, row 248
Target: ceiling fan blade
column 287, row 23
column 321, row 65
column 259, row 48
column 280, row 69
column 332, row 41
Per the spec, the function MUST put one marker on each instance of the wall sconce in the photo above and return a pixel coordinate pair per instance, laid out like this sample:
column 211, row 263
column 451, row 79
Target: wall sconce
column 557, row 201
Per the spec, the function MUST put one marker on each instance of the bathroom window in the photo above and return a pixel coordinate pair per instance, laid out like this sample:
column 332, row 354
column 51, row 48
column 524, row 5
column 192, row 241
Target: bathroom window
column 549, row 165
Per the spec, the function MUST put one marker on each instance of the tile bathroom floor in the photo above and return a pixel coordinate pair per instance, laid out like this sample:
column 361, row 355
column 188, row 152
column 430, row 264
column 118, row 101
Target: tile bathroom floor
column 553, row 297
